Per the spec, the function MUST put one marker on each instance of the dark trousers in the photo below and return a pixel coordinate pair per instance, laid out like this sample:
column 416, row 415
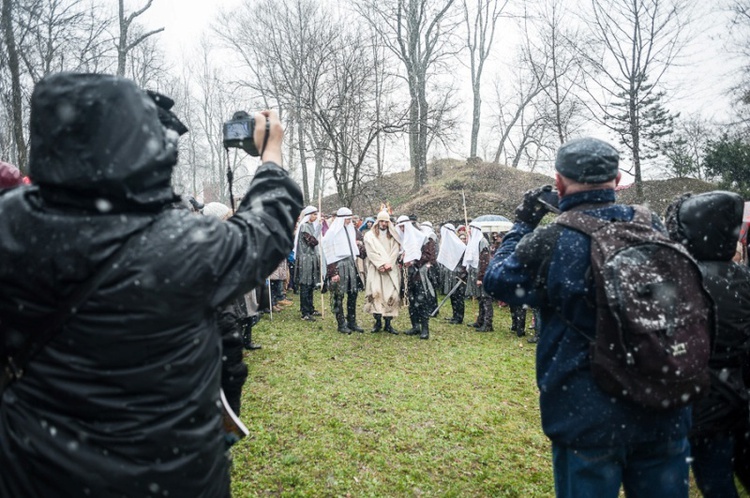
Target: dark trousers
column 419, row 302
column 351, row 305
column 263, row 298
column 306, row 299
column 458, row 302
column 277, row 291
column 518, row 317
column 712, row 465
column 486, row 312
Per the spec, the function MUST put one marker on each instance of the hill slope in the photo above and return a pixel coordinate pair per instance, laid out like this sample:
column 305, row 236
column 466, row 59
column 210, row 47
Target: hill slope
column 489, row 189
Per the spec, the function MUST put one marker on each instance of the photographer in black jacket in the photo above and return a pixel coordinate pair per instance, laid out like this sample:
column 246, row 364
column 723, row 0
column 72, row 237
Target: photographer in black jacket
column 708, row 225
column 124, row 399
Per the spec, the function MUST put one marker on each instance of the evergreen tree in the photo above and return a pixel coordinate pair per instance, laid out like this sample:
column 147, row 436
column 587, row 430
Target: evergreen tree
column 728, row 160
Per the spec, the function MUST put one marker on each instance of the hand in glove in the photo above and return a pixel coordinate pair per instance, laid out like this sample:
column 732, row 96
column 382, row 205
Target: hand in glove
column 536, row 203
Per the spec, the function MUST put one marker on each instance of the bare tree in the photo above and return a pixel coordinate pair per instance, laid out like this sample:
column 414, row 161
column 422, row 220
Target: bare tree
column 126, row 40
column 516, row 116
column 285, row 63
column 342, row 103
column 17, row 119
column 632, row 46
column 481, row 20
column 418, row 33
column 550, row 51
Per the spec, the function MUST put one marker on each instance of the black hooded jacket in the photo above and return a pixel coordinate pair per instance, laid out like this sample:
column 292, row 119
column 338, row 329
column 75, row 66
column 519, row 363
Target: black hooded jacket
column 124, row 400
column 708, row 225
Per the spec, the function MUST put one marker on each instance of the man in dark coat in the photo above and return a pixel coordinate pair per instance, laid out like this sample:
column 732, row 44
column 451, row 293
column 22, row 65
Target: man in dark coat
column 709, row 225
column 599, row 443
column 307, row 261
column 420, row 253
column 124, row 400
column 341, row 249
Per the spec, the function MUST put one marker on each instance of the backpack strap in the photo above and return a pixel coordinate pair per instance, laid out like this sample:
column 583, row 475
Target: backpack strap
column 581, row 222
column 588, row 224
column 642, row 215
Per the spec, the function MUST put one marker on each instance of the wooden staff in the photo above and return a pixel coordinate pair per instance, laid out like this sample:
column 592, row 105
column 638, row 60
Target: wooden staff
column 320, row 245
column 466, row 221
column 466, row 216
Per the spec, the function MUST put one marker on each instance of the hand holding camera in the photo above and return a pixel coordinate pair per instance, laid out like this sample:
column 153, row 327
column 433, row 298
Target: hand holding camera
column 536, row 203
column 259, row 135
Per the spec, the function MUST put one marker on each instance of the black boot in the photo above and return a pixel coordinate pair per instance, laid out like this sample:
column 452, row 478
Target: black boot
column 247, row 339
column 352, row 324
column 378, row 323
column 342, row 325
column 415, row 328
column 388, row 327
column 425, row 332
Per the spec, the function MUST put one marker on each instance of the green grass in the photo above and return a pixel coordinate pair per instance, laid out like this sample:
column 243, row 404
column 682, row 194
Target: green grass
column 381, row 415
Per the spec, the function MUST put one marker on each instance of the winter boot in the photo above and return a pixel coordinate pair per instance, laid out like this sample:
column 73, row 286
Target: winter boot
column 425, row 332
column 378, row 323
column 351, row 322
column 487, row 327
column 342, row 325
column 415, row 328
column 247, row 339
column 388, row 327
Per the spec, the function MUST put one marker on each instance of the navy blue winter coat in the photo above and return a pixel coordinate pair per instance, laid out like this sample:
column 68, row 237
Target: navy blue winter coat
column 124, row 400
column 548, row 268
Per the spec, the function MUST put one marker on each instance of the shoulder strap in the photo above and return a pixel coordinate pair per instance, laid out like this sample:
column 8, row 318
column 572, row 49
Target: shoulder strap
column 588, row 224
column 581, row 222
column 52, row 324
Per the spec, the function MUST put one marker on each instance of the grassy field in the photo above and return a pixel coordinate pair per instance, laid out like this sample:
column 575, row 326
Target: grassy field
column 389, row 416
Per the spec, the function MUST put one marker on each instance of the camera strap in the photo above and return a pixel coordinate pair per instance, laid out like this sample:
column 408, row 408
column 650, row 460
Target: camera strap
column 265, row 139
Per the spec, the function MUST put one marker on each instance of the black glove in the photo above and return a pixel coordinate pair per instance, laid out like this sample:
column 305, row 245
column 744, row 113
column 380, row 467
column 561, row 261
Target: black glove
column 536, row 203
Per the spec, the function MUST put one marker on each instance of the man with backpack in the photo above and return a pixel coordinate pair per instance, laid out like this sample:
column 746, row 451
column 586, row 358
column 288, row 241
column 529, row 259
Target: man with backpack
column 601, row 439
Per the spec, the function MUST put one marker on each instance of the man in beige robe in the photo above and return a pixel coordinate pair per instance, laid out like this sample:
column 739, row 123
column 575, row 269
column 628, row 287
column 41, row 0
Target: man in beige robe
column 382, row 244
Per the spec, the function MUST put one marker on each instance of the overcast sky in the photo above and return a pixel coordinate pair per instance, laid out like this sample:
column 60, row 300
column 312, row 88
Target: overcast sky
column 699, row 86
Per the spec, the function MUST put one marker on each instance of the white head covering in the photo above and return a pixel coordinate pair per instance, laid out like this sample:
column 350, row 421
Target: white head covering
column 451, row 247
column 471, row 257
column 426, row 228
column 217, row 210
column 309, row 210
column 412, row 240
column 340, row 241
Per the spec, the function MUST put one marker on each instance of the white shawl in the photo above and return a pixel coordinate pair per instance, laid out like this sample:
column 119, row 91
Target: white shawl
column 471, row 257
column 451, row 247
column 336, row 244
column 411, row 242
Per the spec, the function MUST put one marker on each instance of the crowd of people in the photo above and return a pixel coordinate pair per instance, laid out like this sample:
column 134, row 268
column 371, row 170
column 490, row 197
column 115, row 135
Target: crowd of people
column 125, row 309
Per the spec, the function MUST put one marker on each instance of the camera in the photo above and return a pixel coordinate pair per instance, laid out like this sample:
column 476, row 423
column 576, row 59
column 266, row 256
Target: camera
column 239, row 132
column 549, row 199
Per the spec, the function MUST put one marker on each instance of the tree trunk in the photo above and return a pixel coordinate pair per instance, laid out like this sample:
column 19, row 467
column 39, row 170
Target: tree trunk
column 302, row 157
column 475, row 119
column 16, row 98
column 422, row 145
column 414, row 139
column 122, row 42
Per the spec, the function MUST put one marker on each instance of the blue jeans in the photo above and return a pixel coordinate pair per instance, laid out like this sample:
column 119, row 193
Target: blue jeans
column 649, row 470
